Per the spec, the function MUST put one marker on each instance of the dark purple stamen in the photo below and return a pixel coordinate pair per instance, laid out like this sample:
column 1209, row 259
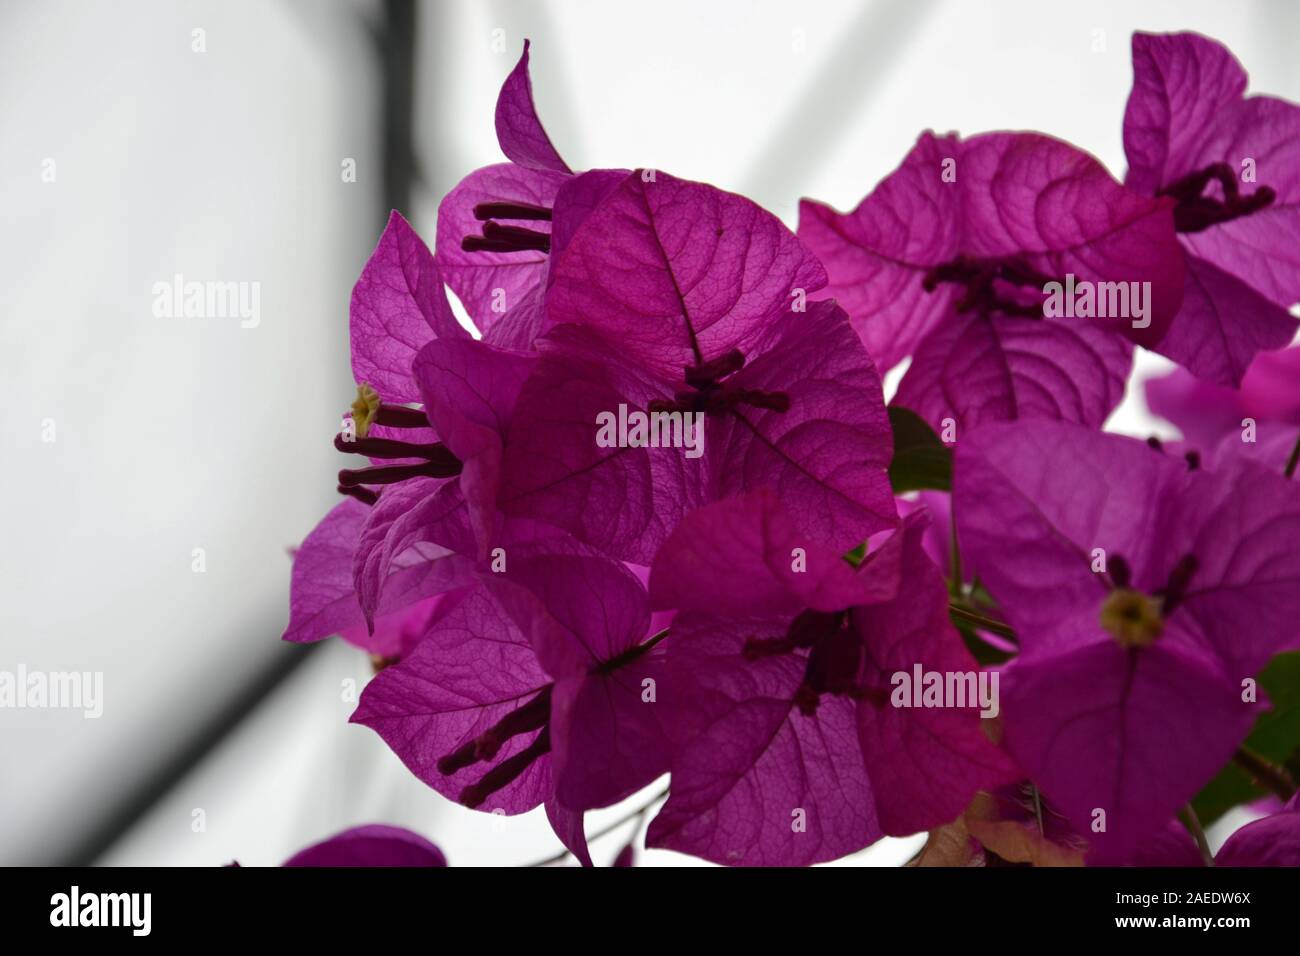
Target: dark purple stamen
column 804, row 631
column 631, row 654
column 466, row 755
column 1121, row 575
column 1196, row 212
column 499, row 238
column 438, row 461
column 834, row 664
column 1179, row 578
column 982, row 294
column 680, row 402
column 1193, row 459
column 510, row 210
column 532, row 716
column 813, row 626
column 706, row 374
column 388, row 447
column 807, row 699
column 707, row 392
column 757, row 398
column 525, row 719
column 507, row 771
column 447, row 467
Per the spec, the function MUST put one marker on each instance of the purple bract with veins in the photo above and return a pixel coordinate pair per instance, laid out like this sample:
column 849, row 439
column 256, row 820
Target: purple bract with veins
column 470, row 391
column 788, row 750
column 679, row 272
column 678, row 298
column 368, row 559
column 431, row 517
column 1143, row 595
column 539, row 686
column 398, row 305
column 503, row 225
column 323, row 596
column 948, row 260
column 1232, row 164
column 519, row 131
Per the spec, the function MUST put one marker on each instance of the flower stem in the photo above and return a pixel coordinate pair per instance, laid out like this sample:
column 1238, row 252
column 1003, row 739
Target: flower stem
column 1038, row 809
column 1293, row 460
column 1265, row 774
column 1188, row 817
column 636, row 814
column 633, row 652
column 956, row 586
column 980, row 621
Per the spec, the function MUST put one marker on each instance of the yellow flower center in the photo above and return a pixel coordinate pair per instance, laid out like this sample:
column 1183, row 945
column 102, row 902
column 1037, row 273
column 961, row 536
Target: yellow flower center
column 1132, row 618
column 364, row 409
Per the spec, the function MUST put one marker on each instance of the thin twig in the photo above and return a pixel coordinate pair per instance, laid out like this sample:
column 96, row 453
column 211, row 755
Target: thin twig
column 1294, row 459
column 1189, row 818
column 1265, row 774
column 957, row 586
column 982, row 622
column 605, row 831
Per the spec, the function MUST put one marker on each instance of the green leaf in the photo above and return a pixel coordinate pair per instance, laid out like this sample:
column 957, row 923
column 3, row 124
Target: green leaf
column 1275, row 737
column 921, row 460
column 857, row 555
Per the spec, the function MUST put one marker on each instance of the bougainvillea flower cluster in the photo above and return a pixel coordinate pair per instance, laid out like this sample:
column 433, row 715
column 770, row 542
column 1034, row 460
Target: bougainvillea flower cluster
column 642, row 513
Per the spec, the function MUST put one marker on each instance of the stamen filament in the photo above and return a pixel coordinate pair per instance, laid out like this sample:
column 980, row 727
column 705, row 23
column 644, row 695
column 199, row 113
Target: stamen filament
column 1121, row 575
column 978, row 276
column 510, row 210
column 390, row 474
column 756, row 398
column 506, row 772
column 706, row 374
column 485, row 746
column 499, row 238
column 1179, row 578
column 389, row 448
column 1196, row 212
column 531, row 716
